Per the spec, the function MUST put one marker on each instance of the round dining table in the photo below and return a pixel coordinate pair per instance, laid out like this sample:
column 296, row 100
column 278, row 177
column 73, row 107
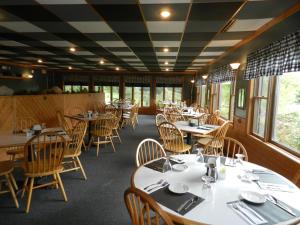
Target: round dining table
column 215, row 209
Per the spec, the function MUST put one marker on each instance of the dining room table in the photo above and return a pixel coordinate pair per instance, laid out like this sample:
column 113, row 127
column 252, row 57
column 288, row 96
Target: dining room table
column 246, row 193
column 195, row 128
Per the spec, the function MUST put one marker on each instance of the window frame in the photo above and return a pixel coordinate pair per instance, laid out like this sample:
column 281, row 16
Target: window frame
column 142, row 94
column 217, row 94
column 173, row 92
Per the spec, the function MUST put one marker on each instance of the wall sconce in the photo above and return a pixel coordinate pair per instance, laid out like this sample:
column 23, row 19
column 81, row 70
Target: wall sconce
column 235, row 66
column 192, row 81
column 204, row 77
column 27, row 75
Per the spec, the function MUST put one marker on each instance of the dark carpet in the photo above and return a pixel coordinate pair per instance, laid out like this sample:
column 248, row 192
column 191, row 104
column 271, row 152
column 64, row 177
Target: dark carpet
column 99, row 200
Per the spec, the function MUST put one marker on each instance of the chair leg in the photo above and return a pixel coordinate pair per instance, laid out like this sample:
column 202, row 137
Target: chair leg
column 13, row 181
column 61, row 186
column 12, row 191
column 90, row 143
column 117, row 133
column 55, row 179
column 24, row 187
column 29, row 195
column 81, row 168
column 112, row 143
column 98, row 146
column 84, row 146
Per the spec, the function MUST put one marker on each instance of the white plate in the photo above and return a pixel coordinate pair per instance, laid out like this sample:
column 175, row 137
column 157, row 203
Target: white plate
column 253, row 197
column 179, row 167
column 178, row 188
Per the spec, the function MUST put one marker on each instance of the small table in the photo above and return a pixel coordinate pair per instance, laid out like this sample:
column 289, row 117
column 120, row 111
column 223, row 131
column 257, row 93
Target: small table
column 185, row 127
column 216, row 210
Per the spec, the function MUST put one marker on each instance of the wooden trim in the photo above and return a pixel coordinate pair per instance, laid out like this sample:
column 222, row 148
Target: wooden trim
column 13, row 78
column 259, row 31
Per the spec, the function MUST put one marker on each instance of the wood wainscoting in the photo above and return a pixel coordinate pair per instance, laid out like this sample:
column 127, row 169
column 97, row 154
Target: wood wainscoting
column 266, row 154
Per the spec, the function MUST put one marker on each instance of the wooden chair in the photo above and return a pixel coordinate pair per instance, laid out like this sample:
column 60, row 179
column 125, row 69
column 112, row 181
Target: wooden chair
column 143, row 209
column 71, row 159
column 117, row 125
column 232, row 146
column 6, row 168
column 148, row 150
column 174, row 115
column 159, row 118
column 129, row 119
column 63, row 123
column 109, row 108
column 43, row 156
column 102, row 128
column 215, row 142
column 173, row 138
column 213, row 118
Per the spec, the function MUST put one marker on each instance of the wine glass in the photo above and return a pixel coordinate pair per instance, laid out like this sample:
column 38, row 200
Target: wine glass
column 206, row 191
column 167, row 165
column 200, row 156
column 240, row 160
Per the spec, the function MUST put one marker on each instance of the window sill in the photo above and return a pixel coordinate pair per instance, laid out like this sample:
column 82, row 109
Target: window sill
column 293, row 157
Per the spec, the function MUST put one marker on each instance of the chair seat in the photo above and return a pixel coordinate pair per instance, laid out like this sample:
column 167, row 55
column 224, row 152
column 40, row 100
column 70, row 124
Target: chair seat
column 177, row 148
column 69, row 153
column 6, row 167
column 204, row 141
column 38, row 171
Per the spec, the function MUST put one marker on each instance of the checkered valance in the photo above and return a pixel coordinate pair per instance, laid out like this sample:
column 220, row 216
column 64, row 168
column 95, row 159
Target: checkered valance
column 106, row 79
column 137, row 79
column 70, row 78
column 275, row 59
column 221, row 74
column 169, row 80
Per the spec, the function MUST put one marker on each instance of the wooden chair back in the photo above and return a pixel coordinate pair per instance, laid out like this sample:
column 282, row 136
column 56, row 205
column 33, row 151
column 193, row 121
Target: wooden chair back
column 77, row 136
column 215, row 146
column 24, row 123
column 203, row 119
column 174, row 115
column 149, row 149
column 172, row 137
column 118, row 118
column 103, row 126
column 159, row 118
column 63, row 123
column 212, row 119
column 43, row 154
column 143, row 209
column 110, row 109
column 232, row 147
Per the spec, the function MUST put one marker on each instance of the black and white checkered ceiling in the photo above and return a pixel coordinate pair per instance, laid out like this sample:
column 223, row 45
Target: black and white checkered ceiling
column 128, row 34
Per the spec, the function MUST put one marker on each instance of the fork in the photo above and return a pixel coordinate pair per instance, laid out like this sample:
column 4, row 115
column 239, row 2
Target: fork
column 157, row 183
column 243, row 213
column 251, row 211
column 161, row 185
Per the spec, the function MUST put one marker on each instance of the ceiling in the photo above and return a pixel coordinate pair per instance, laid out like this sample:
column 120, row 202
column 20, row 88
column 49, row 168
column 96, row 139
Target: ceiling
column 128, row 34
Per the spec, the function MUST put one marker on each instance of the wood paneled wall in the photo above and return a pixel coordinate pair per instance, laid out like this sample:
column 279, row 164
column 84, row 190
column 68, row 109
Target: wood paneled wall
column 43, row 108
column 265, row 154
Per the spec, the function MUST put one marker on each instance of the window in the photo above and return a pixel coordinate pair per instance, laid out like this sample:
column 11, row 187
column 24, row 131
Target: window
column 215, row 97
column 286, row 126
column 203, row 96
column 261, row 87
column 107, row 93
column 68, row 88
column 138, row 94
column 224, row 99
column 172, row 94
column 115, row 92
column 76, row 88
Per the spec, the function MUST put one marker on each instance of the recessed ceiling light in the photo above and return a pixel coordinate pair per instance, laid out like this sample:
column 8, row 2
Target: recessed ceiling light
column 166, row 62
column 165, row 14
column 166, row 49
column 72, row 49
column 40, row 61
column 101, row 61
column 70, row 67
column 117, row 68
column 167, row 69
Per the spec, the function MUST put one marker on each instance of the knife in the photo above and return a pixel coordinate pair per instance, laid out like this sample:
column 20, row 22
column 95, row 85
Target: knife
column 285, row 208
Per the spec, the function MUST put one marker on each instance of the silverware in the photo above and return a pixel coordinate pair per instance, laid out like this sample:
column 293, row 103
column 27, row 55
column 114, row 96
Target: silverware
column 242, row 212
column 253, row 212
column 275, row 201
column 187, row 204
column 157, row 183
column 159, row 186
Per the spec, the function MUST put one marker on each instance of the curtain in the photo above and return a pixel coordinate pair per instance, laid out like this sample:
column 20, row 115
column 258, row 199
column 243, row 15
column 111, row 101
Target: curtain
column 275, row 59
column 221, row 74
column 169, row 80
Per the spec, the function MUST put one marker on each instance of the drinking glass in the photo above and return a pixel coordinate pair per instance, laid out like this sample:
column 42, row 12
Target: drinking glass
column 167, row 165
column 206, row 191
column 200, row 157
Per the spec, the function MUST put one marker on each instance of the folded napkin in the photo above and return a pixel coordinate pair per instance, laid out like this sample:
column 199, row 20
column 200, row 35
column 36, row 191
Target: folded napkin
column 275, row 187
column 158, row 164
column 181, row 204
column 203, row 128
column 271, row 181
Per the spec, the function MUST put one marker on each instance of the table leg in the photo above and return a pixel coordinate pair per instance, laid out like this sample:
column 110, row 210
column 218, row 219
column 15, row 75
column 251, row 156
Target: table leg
column 189, row 138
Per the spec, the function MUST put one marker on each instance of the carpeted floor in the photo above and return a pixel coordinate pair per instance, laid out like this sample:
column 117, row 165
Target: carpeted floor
column 97, row 201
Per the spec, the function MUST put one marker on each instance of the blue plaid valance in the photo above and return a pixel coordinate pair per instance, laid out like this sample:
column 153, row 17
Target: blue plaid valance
column 221, row 74
column 275, row 59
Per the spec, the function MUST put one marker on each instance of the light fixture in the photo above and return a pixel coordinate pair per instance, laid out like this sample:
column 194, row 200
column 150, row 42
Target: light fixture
column 72, row 49
column 165, row 14
column 235, row 66
column 101, row 61
column 70, row 67
column 117, row 68
column 192, row 81
column 167, row 69
column 165, row 49
column 27, row 75
column 166, row 63
column 204, row 76
column 40, row 61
